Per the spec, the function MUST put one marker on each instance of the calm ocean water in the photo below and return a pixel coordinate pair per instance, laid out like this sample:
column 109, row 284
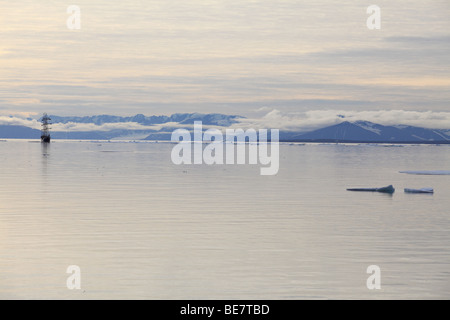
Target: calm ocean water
column 140, row 227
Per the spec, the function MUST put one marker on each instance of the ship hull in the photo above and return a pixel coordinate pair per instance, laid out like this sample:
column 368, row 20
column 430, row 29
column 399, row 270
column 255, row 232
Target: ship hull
column 45, row 139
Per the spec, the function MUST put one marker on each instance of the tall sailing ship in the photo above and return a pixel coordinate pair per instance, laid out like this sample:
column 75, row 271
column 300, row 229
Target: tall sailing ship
column 45, row 132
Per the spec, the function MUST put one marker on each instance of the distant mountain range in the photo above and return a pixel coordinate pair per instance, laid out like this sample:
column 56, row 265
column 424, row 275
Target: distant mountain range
column 18, row 132
column 364, row 131
column 359, row 131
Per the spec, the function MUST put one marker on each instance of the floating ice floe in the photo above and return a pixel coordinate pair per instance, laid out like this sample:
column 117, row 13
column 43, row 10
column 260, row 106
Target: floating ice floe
column 388, row 189
column 428, row 173
column 423, row 190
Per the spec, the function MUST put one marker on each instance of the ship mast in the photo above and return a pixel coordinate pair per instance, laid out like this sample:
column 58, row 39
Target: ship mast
column 45, row 132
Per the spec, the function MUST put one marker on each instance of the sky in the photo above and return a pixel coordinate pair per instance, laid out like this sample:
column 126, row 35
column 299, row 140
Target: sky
column 285, row 63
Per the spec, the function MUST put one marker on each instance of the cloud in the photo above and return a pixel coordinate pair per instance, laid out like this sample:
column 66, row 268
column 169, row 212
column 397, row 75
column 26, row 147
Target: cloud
column 444, row 40
column 20, row 114
column 206, row 55
column 17, row 121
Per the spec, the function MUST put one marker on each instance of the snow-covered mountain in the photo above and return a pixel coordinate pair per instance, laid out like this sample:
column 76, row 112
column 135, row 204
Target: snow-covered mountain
column 180, row 118
column 364, row 131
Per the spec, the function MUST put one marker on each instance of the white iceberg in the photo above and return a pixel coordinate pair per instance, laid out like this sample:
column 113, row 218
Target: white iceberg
column 429, row 173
